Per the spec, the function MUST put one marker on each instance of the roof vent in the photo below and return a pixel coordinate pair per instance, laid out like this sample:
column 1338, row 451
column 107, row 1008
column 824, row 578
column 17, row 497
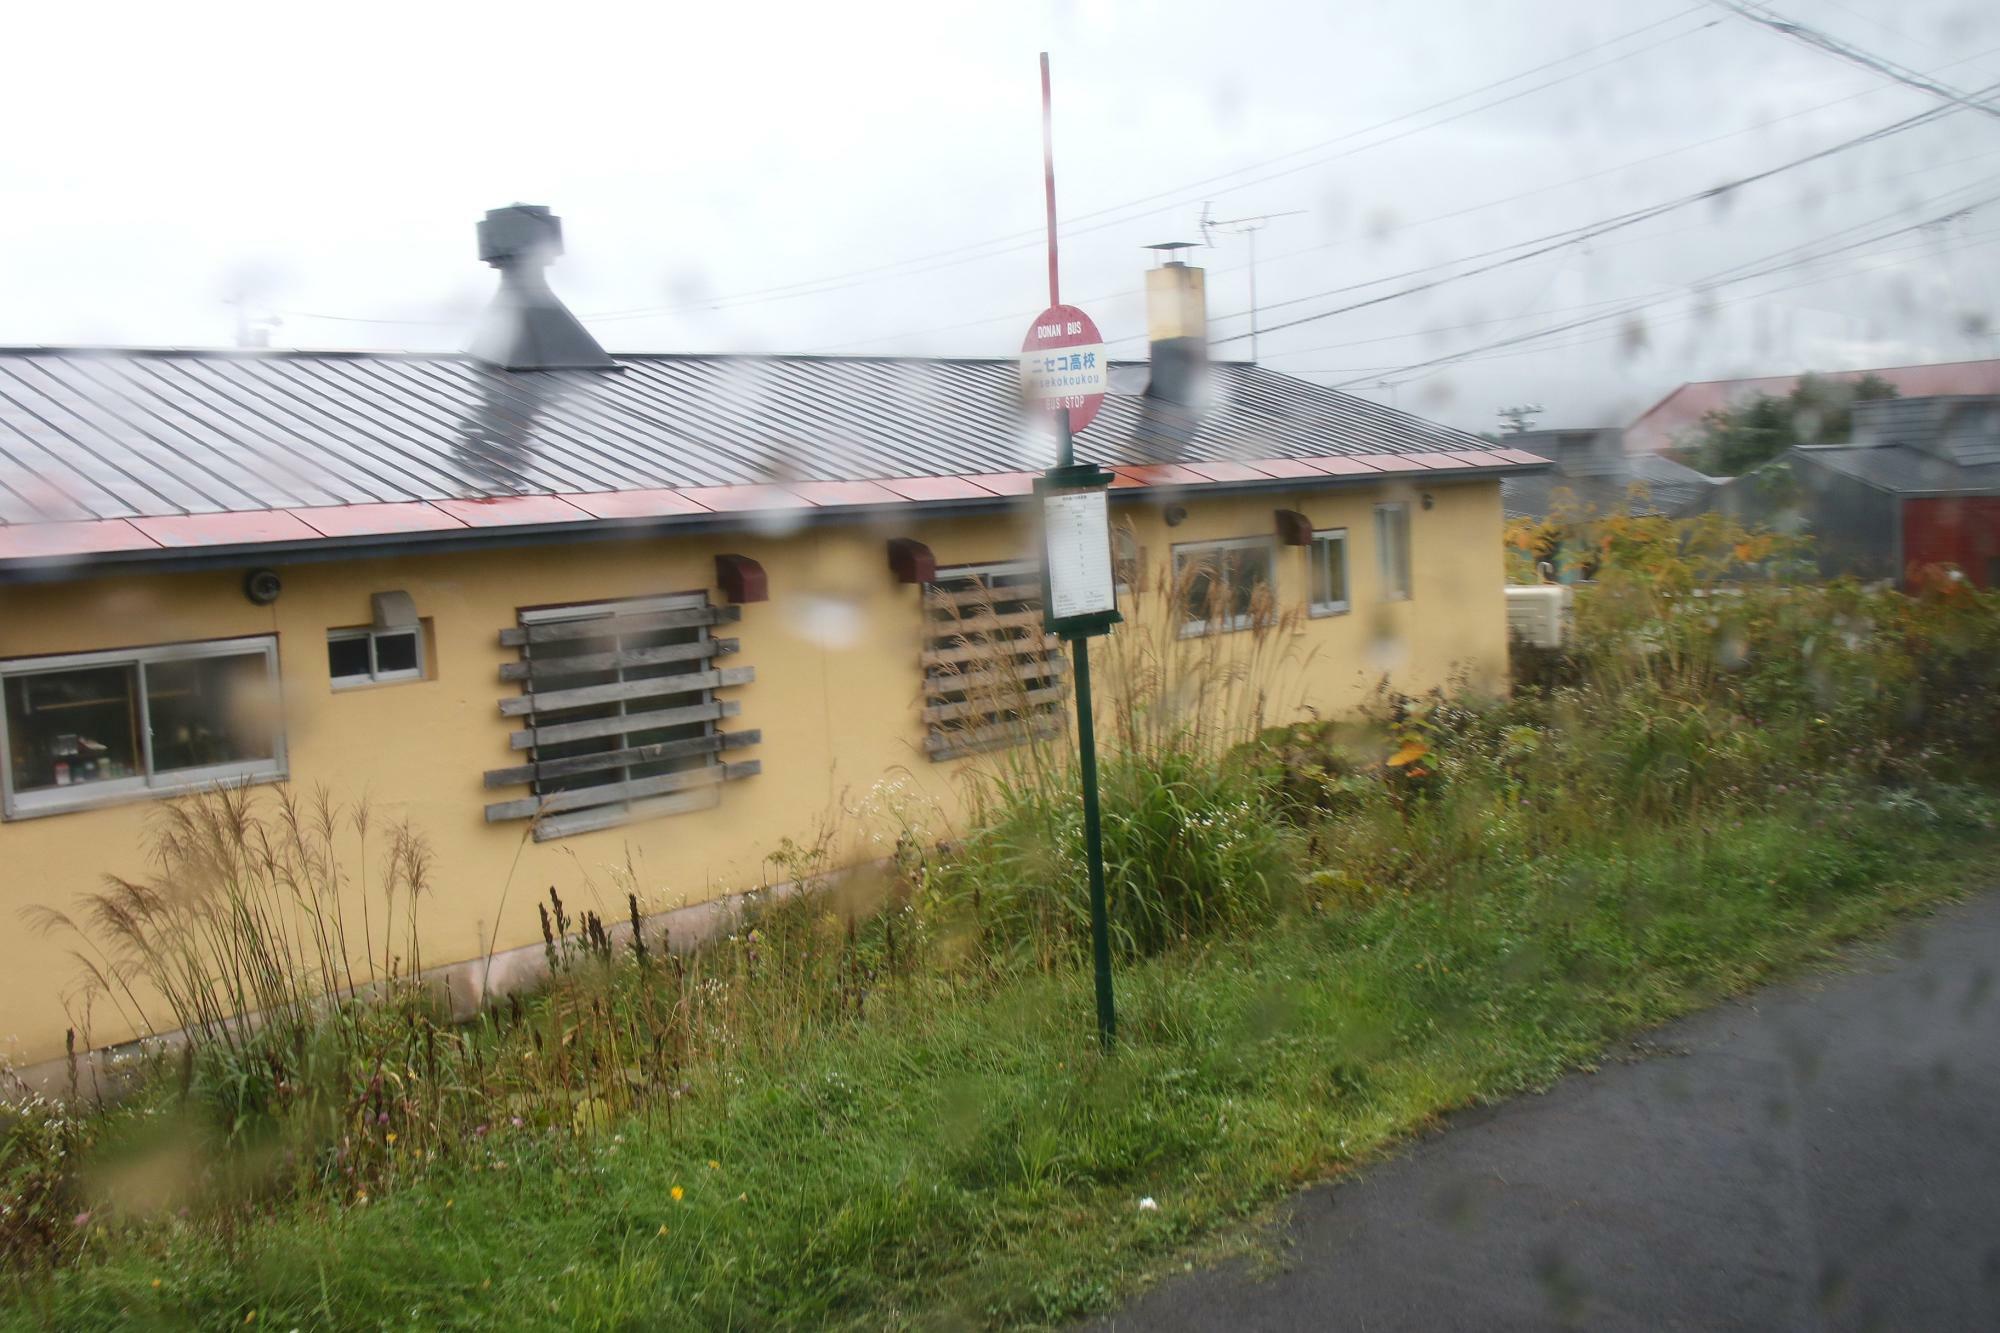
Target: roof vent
column 528, row 327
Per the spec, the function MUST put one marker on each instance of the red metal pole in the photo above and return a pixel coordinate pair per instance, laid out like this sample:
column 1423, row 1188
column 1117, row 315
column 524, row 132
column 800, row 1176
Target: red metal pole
column 1049, row 180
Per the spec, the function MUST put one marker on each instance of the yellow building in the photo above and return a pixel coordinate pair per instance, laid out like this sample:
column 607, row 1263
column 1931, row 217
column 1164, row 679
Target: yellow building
column 570, row 614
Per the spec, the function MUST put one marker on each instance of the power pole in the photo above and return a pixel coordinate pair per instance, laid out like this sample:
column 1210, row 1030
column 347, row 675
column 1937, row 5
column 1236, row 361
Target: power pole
column 1244, row 227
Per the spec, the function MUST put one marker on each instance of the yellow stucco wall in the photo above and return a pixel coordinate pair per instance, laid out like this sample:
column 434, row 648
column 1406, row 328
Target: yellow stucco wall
column 837, row 696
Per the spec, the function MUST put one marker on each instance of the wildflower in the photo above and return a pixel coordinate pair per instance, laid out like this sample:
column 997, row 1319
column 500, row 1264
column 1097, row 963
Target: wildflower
column 1146, row 1205
column 517, row 1121
column 448, row 1202
column 390, row 1138
column 663, row 1229
column 156, row 1284
column 82, row 1219
column 714, row 1165
column 250, row 1318
column 678, row 1193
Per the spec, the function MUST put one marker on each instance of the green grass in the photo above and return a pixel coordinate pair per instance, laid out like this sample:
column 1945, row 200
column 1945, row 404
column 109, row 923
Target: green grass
column 964, row 1156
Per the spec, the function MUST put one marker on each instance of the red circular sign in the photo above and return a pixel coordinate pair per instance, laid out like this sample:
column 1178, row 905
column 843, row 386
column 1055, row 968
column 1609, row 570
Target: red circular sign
column 1063, row 364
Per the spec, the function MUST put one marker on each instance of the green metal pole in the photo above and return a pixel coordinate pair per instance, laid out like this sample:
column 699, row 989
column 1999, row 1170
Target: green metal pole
column 1093, row 848
column 1093, row 826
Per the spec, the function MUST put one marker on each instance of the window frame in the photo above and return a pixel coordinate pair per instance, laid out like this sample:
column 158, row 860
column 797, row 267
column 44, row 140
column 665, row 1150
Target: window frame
column 1345, row 604
column 1393, row 567
column 146, row 785
column 1193, row 629
column 376, row 676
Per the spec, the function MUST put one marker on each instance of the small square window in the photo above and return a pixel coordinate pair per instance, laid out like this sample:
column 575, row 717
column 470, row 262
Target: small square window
column 372, row 657
column 347, row 658
column 396, row 653
column 1327, row 563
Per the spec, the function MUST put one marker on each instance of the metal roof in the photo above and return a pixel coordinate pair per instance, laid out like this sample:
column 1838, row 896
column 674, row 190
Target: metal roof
column 1903, row 470
column 109, row 455
column 1670, row 488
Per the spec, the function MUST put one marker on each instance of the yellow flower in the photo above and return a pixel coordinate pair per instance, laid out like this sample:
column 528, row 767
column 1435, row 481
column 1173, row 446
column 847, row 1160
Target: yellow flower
column 714, row 1165
column 678, row 1193
column 391, row 1136
column 250, row 1318
column 156, row 1284
column 448, row 1202
column 663, row 1229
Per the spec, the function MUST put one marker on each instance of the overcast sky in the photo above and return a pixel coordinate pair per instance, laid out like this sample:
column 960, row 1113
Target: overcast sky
column 867, row 178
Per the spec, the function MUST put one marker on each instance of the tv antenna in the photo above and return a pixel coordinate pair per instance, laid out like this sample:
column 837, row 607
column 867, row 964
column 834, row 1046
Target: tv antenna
column 1243, row 227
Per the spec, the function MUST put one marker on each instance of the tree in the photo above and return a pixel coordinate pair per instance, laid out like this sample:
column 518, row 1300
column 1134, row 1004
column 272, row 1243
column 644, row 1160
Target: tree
column 1737, row 439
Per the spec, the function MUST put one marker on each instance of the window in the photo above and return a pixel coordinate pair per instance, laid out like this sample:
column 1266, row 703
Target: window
column 1224, row 585
column 992, row 676
column 619, row 701
column 1392, row 550
column 90, row 728
column 374, row 656
column 1327, row 565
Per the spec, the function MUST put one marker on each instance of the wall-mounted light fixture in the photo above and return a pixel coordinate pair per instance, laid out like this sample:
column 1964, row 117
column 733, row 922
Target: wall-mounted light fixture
column 262, row 586
column 1428, row 502
column 1175, row 515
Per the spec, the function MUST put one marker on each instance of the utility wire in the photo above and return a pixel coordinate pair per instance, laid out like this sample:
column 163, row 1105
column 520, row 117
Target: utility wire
column 1646, row 239
column 1765, row 267
column 1553, row 241
column 1813, row 37
column 1403, row 227
column 1024, row 240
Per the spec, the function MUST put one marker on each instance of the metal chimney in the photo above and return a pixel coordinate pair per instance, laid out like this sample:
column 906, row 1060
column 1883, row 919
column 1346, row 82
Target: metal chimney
column 528, row 327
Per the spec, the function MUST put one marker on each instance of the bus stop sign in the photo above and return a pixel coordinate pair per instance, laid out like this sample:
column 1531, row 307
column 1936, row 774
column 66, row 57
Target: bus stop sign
column 1063, row 365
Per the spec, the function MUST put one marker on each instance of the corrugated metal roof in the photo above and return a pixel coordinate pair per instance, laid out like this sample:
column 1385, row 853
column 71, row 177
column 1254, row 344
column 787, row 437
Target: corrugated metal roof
column 1903, row 470
column 88, row 435
column 1670, row 488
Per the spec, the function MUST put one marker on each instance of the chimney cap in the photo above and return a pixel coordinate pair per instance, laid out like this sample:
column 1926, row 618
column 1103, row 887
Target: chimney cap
column 1168, row 252
column 520, row 231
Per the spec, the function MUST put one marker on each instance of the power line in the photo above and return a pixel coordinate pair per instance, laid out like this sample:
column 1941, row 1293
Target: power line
column 1645, row 239
column 1813, row 37
column 1016, row 241
column 1724, row 277
column 1400, row 228
column 1553, row 241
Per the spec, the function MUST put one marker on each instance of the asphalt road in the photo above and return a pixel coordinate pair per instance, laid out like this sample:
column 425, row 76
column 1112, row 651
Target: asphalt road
column 1822, row 1155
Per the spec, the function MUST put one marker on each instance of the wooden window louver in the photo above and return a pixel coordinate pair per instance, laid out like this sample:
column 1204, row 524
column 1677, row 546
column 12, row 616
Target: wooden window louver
column 619, row 713
column 992, row 676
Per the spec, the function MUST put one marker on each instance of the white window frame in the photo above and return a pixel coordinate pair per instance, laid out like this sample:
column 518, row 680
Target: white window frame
column 147, row 784
column 1345, row 602
column 1195, row 550
column 1393, row 566
column 375, row 676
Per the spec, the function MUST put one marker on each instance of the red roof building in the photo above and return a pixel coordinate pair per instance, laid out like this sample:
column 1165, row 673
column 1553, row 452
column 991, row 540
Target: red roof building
column 1660, row 426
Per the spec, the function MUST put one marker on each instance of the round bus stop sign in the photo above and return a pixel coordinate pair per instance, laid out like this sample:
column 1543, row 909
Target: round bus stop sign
column 1063, row 365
